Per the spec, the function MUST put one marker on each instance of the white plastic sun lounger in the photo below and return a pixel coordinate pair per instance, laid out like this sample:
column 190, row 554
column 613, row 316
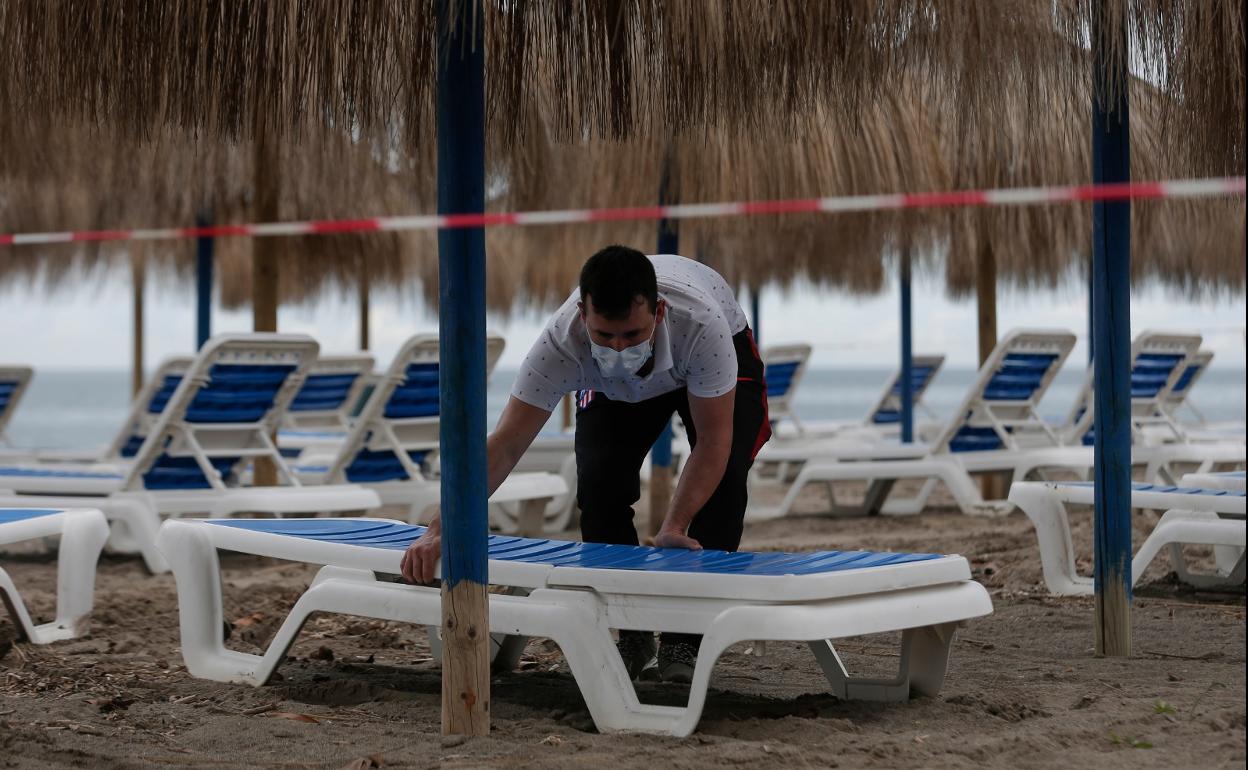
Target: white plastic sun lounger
column 219, row 418
column 145, row 409
column 13, row 383
column 996, row 429
column 391, row 445
column 580, row 592
column 1160, row 363
column 1193, row 516
column 329, row 394
column 82, row 533
column 1231, row 481
column 783, row 367
column 316, row 440
column 883, row 419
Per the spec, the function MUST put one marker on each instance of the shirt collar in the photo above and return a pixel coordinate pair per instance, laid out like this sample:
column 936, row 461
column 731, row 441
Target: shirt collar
column 662, row 343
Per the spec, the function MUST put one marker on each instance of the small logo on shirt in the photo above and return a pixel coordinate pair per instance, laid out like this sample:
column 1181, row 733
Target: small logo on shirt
column 583, row 397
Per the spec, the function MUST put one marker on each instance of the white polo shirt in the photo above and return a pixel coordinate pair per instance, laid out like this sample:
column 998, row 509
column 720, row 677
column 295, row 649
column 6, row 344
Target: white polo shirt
column 692, row 346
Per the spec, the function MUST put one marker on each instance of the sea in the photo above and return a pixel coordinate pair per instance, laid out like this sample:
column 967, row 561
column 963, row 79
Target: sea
column 81, row 409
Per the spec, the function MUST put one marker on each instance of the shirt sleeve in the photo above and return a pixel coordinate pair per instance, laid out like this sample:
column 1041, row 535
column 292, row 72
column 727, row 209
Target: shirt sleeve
column 712, row 367
column 547, row 373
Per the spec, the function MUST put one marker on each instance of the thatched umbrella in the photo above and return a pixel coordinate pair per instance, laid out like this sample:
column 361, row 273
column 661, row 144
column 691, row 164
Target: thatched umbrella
column 63, row 181
column 271, row 71
column 606, row 68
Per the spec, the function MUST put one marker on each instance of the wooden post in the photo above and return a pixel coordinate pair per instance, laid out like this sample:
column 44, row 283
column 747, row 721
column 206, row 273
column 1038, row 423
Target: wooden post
column 907, row 352
column 364, row 289
column 991, row 486
column 461, row 294
column 1111, row 301
column 138, row 272
column 661, row 453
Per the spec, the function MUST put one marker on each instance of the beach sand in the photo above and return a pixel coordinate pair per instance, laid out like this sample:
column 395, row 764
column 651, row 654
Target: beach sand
column 1024, row 688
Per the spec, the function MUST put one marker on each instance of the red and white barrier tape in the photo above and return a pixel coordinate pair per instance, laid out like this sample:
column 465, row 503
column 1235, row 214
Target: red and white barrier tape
column 1180, row 188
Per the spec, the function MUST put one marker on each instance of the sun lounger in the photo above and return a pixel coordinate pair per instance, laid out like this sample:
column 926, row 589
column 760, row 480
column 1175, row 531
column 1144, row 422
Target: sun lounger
column 996, row 429
column 145, row 409
column 580, row 592
column 316, row 439
column 783, row 367
column 1200, row 431
column 218, row 419
column 82, row 533
column 1231, row 481
column 329, row 394
column 1192, row 516
column 391, row 447
column 1158, row 362
column 883, row 419
column 13, row 383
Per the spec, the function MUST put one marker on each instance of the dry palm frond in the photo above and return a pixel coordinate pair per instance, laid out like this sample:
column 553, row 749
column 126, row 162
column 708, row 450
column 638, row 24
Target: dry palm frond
column 597, row 68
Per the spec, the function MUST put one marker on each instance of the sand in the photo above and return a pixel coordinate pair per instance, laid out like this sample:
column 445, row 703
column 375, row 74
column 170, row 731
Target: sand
column 1024, row 687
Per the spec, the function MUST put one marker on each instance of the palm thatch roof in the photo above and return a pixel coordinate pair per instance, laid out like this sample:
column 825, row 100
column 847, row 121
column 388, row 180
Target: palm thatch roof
column 753, row 99
column 600, row 68
column 65, row 181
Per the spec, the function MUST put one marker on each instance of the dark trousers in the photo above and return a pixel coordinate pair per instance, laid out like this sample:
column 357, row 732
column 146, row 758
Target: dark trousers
column 613, row 438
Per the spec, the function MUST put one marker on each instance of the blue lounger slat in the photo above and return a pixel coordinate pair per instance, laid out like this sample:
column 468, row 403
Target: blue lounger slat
column 10, row 515
column 588, row 555
column 323, row 391
column 52, row 473
column 1141, row 487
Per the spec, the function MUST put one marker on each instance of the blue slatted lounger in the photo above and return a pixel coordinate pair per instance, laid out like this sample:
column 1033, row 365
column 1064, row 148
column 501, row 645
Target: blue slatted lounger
column 996, row 429
column 82, row 533
column 1193, row 516
column 213, row 417
column 578, row 593
column 390, row 445
column 13, row 383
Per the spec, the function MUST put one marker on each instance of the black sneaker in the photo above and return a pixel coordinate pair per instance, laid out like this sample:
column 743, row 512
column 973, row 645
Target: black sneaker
column 636, row 649
column 676, row 661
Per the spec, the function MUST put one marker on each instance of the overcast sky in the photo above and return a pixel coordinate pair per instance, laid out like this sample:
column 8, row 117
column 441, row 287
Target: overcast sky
column 90, row 326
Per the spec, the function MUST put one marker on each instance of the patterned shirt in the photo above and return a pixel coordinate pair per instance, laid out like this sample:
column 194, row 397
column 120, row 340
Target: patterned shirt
column 692, row 345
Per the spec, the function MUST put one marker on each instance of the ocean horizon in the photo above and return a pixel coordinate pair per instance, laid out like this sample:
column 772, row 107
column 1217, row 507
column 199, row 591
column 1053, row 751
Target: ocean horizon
column 67, row 408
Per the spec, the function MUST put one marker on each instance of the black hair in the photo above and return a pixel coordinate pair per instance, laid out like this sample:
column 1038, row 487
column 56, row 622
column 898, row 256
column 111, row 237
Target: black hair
column 614, row 278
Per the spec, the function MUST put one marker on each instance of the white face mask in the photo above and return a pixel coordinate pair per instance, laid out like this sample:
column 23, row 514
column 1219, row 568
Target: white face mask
column 621, row 363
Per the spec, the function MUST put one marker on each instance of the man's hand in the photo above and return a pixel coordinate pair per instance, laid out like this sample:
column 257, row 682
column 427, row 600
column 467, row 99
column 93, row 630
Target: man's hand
column 422, row 555
column 672, row 538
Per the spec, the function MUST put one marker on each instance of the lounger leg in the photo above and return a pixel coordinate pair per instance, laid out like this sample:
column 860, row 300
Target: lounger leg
column 1195, row 527
column 913, row 505
column 140, row 524
column 12, row 602
column 924, row 660
column 81, row 542
column 576, row 622
column 1057, row 552
column 531, row 517
column 925, row 652
column 197, row 572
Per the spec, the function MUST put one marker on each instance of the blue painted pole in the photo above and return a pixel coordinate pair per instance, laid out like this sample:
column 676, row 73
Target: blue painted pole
column 907, row 354
column 203, row 284
column 1091, row 314
column 461, row 307
column 755, row 314
column 1111, row 301
column 661, row 452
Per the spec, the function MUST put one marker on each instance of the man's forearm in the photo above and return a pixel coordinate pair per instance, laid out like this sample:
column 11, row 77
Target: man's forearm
column 702, row 474
column 501, row 458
